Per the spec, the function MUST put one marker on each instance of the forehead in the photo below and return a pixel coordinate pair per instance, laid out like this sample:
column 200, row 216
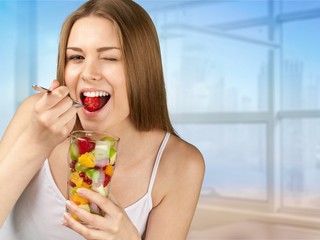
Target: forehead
column 92, row 31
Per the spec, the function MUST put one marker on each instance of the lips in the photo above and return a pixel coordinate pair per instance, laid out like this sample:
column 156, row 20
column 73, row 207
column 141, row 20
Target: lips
column 94, row 100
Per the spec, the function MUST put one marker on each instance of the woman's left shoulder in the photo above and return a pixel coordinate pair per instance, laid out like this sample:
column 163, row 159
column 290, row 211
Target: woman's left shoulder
column 183, row 157
column 181, row 164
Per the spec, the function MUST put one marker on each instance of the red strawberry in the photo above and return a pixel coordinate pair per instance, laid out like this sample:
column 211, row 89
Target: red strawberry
column 92, row 103
column 85, row 144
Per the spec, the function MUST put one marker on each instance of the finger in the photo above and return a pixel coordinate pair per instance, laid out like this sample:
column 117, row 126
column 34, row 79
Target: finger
column 93, row 220
column 62, row 107
column 88, row 233
column 55, row 84
column 48, row 101
column 66, row 121
column 51, row 117
column 103, row 203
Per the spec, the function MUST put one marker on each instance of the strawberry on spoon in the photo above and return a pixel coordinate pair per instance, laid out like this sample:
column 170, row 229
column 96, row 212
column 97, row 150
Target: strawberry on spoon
column 91, row 103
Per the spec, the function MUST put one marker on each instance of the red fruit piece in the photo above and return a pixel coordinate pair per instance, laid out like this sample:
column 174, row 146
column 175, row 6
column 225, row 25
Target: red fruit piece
column 85, row 144
column 71, row 183
column 92, row 103
column 72, row 164
column 107, row 179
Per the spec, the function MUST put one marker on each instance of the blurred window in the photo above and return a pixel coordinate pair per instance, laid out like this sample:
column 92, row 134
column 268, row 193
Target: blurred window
column 243, row 85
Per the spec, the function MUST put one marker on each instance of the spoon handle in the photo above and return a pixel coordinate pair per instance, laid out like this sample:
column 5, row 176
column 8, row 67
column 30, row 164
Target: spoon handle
column 43, row 89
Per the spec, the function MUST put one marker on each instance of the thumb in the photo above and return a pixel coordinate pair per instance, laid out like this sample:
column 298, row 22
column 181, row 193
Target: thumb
column 54, row 85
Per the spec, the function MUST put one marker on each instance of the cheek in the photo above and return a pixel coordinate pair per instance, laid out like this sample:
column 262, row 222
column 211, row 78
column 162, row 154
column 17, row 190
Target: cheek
column 70, row 79
column 121, row 96
column 124, row 99
column 70, row 74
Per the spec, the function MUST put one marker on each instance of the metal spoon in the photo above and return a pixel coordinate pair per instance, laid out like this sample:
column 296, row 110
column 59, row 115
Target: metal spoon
column 43, row 89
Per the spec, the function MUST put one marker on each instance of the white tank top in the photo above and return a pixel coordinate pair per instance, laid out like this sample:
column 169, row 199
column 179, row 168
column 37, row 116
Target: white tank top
column 39, row 211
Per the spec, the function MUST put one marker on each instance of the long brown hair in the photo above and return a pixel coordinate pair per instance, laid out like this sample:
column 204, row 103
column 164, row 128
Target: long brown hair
column 142, row 59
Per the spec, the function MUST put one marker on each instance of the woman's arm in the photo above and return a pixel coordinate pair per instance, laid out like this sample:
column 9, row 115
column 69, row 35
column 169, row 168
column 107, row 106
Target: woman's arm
column 182, row 173
column 39, row 124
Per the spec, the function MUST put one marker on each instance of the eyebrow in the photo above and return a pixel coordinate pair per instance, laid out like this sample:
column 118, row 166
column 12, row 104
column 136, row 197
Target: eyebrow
column 102, row 49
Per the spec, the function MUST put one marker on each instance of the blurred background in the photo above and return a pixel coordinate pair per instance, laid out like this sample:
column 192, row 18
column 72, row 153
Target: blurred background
column 243, row 85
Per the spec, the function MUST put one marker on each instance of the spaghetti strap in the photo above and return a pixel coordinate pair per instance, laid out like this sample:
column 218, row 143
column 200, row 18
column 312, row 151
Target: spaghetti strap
column 156, row 164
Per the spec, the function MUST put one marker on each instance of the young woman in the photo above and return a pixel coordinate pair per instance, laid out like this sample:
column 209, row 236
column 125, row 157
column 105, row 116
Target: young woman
column 108, row 50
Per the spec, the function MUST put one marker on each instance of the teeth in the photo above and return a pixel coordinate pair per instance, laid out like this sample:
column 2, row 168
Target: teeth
column 96, row 94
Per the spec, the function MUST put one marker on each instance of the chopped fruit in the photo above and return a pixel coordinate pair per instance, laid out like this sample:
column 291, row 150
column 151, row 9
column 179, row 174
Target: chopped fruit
column 80, row 168
column 71, row 183
column 102, row 150
column 112, row 156
column 89, row 181
column 85, row 185
column 87, row 159
column 89, row 172
column 75, row 217
column 97, row 176
column 100, row 164
column 107, row 179
column 91, row 164
column 76, row 179
column 92, row 103
column 85, row 207
column 74, row 151
column 109, row 170
column 100, row 189
column 72, row 165
column 85, row 144
column 111, row 140
column 78, row 200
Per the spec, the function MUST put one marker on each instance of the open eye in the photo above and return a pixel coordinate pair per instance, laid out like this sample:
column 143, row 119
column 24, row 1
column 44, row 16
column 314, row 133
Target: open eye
column 75, row 57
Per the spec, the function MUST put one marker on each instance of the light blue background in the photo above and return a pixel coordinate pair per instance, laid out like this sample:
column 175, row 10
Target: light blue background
column 243, row 86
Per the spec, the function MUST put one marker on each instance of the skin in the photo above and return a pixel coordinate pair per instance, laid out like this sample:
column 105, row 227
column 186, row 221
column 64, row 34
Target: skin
column 92, row 66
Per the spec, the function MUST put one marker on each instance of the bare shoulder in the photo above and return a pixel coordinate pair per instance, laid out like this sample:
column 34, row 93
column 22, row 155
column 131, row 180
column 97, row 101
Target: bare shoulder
column 19, row 122
column 183, row 154
column 24, row 110
column 182, row 164
column 176, row 190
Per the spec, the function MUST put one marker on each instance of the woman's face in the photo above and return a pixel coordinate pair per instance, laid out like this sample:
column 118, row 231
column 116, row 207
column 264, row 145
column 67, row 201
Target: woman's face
column 95, row 74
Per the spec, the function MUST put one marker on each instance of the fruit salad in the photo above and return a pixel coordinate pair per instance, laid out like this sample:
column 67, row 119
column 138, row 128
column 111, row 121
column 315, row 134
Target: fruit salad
column 92, row 158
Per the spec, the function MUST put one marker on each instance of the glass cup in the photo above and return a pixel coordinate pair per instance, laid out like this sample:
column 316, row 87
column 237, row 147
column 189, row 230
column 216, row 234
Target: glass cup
column 91, row 159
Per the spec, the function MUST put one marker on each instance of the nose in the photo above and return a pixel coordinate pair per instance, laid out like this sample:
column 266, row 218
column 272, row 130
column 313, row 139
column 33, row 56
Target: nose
column 91, row 71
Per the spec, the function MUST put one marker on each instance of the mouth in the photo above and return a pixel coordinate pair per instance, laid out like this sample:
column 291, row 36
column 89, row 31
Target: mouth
column 94, row 100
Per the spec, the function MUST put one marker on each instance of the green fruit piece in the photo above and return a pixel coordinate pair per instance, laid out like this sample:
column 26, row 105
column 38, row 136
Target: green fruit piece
column 74, row 151
column 95, row 176
column 85, row 207
column 102, row 150
column 101, row 190
column 111, row 140
column 112, row 156
column 90, row 172
column 80, row 168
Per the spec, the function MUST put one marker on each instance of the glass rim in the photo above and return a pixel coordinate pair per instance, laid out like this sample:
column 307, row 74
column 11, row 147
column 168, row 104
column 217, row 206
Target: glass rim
column 102, row 133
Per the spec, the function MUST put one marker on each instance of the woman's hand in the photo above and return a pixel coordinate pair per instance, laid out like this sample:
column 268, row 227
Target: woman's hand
column 114, row 225
column 53, row 117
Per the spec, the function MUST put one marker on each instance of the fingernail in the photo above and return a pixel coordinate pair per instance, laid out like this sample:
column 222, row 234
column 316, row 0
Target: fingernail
column 64, row 222
column 66, row 216
column 69, row 203
column 81, row 191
